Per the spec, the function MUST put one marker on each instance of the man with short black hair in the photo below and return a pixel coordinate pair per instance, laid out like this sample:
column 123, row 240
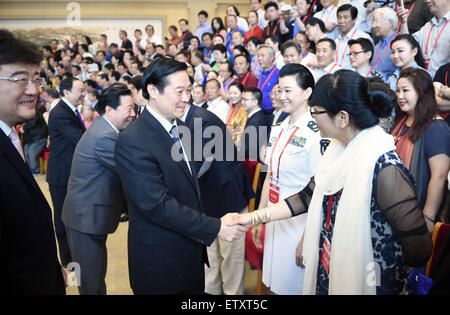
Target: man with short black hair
column 347, row 30
column 66, row 127
column 168, row 230
column 257, row 127
column 242, row 69
column 315, row 29
column 29, row 263
column 361, row 53
column 203, row 25
column 326, row 54
column 90, row 213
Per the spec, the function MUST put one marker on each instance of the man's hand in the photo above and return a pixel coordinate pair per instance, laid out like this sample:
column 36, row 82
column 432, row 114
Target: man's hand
column 230, row 229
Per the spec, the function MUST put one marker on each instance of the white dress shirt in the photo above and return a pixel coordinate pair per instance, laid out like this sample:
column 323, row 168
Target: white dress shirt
column 220, row 108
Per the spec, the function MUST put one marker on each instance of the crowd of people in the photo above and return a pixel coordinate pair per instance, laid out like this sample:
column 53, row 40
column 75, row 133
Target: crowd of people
column 346, row 103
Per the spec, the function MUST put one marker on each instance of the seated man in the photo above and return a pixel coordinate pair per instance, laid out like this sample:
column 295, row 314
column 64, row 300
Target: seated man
column 326, row 54
column 361, row 53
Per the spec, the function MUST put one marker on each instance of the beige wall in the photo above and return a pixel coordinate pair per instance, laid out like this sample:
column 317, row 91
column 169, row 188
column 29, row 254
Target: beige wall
column 169, row 10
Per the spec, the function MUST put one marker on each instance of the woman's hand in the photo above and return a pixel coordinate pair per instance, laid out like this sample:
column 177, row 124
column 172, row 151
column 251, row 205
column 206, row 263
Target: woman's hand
column 299, row 254
column 256, row 236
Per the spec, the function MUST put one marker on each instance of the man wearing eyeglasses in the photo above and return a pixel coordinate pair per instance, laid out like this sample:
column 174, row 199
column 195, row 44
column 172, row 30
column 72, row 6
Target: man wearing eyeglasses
column 29, row 262
column 361, row 53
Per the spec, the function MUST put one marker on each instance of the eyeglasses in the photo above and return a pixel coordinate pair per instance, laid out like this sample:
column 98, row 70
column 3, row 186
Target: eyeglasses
column 356, row 53
column 24, row 82
column 316, row 112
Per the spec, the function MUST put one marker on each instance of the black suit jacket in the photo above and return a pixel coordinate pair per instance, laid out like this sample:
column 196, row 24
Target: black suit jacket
column 167, row 231
column 28, row 258
column 225, row 187
column 65, row 131
column 256, row 134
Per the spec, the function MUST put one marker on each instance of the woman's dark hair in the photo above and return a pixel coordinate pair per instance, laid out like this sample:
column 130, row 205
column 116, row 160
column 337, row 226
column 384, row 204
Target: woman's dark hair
column 426, row 107
column 414, row 44
column 235, row 9
column 242, row 49
column 220, row 22
column 303, row 76
column 255, row 40
column 346, row 90
column 238, row 85
column 157, row 72
column 136, row 81
column 88, row 40
column 111, row 97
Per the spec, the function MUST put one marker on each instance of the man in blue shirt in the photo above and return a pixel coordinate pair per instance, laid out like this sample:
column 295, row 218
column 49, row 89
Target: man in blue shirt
column 384, row 23
column 269, row 77
column 203, row 25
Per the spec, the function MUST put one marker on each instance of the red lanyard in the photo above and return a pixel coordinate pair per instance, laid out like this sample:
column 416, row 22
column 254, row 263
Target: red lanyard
column 282, row 151
column 275, row 29
column 259, row 85
column 311, row 9
column 337, row 49
column 304, row 19
column 398, row 135
column 330, row 205
column 440, row 33
column 325, row 22
column 209, row 54
column 332, row 68
column 244, row 80
column 382, row 57
column 409, row 12
column 305, row 54
column 368, row 73
column 233, row 114
column 445, row 81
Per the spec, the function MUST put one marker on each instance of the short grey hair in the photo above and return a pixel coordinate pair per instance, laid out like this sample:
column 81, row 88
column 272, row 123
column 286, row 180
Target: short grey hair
column 388, row 14
column 271, row 51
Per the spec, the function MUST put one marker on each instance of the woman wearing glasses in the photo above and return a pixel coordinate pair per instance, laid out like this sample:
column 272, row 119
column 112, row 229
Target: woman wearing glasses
column 363, row 226
column 292, row 155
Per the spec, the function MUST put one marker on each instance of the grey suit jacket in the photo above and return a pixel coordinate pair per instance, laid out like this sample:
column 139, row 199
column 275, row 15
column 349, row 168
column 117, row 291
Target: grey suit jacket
column 95, row 197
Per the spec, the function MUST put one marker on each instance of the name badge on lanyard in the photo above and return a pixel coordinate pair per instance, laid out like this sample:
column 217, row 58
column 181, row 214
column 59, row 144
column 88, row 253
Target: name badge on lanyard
column 274, row 187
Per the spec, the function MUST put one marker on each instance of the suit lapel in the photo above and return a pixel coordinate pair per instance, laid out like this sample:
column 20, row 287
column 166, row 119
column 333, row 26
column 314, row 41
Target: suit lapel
column 16, row 160
column 167, row 143
column 71, row 113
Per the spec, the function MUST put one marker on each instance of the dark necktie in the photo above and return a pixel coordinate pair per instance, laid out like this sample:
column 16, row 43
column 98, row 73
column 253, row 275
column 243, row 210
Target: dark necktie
column 176, row 138
column 81, row 119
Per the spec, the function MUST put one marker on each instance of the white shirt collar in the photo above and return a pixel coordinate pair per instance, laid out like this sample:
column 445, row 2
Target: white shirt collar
column 111, row 124
column 215, row 101
column 445, row 18
column 73, row 108
column 6, row 129
column 302, row 121
column 257, row 110
column 163, row 121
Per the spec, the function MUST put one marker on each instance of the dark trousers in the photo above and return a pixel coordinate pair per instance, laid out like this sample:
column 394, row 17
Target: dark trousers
column 58, row 194
column 89, row 251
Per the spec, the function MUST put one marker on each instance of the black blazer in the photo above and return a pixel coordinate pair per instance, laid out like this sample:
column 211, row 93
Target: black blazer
column 65, row 131
column 225, row 187
column 28, row 258
column 259, row 121
column 167, row 231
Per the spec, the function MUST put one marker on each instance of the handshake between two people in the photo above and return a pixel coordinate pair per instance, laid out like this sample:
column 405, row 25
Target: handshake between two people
column 234, row 226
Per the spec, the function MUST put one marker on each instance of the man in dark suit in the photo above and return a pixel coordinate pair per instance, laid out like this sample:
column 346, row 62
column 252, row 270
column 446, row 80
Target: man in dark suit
column 257, row 128
column 28, row 257
column 95, row 197
column 65, row 127
column 168, row 230
column 225, row 187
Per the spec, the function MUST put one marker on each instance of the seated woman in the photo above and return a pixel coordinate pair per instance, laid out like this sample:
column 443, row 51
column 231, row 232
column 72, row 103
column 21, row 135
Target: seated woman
column 363, row 221
column 405, row 52
column 423, row 140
